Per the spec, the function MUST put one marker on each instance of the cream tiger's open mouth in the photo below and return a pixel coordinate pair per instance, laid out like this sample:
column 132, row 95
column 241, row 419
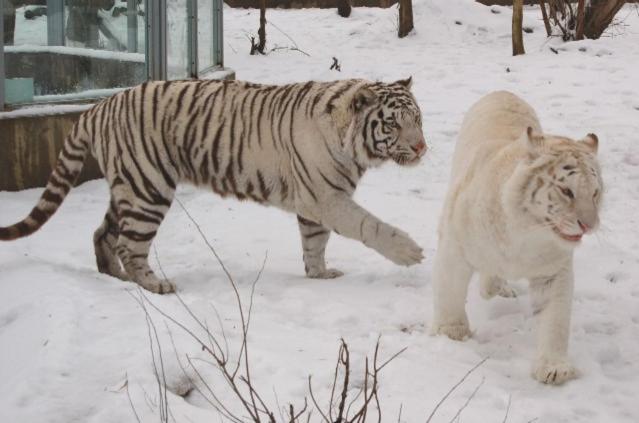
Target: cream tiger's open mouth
column 570, row 238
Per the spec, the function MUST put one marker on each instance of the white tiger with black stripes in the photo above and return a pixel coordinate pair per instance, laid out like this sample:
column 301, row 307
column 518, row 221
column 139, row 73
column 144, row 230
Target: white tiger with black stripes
column 518, row 203
column 300, row 147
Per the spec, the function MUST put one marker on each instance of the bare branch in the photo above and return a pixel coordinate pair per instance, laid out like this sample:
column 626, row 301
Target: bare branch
column 450, row 391
column 468, row 400
column 128, row 394
column 319, row 409
column 510, row 397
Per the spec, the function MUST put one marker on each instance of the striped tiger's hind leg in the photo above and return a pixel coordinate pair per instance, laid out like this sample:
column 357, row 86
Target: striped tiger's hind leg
column 138, row 225
column 105, row 240
column 314, row 239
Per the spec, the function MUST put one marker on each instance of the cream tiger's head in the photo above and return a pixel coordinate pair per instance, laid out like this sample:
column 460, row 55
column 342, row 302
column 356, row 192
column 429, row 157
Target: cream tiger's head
column 387, row 123
column 563, row 189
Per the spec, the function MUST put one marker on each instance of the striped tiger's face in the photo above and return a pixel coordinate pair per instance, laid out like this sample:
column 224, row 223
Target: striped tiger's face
column 391, row 122
column 565, row 190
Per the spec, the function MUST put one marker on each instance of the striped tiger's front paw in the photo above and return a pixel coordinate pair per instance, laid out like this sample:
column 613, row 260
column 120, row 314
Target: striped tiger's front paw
column 324, row 274
column 401, row 249
column 157, row 286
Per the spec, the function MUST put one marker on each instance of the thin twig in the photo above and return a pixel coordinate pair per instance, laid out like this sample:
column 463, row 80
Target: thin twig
column 510, row 397
column 128, row 394
column 152, row 330
column 450, row 391
column 319, row 409
column 290, row 48
column 468, row 400
column 244, row 350
column 218, row 406
column 277, row 402
column 283, row 33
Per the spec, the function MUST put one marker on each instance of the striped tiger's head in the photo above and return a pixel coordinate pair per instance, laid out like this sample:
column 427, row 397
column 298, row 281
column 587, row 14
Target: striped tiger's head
column 563, row 188
column 389, row 122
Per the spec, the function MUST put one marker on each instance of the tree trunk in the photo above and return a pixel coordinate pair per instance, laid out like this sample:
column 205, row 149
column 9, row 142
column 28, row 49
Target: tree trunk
column 544, row 15
column 344, row 8
column 405, row 17
column 581, row 17
column 599, row 15
column 262, row 31
column 518, row 33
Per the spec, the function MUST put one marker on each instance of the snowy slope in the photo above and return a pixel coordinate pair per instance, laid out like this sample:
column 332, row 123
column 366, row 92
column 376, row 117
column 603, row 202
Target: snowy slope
column 70, row 338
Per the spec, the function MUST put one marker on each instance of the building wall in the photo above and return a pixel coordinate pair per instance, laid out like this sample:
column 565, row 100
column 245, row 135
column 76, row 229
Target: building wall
column 29, row 150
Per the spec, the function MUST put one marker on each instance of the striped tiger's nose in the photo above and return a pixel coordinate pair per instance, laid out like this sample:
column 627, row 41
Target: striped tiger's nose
column 420, row 148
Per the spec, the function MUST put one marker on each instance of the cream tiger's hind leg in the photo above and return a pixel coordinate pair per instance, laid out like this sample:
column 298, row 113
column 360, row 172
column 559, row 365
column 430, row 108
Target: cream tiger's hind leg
column 451, row 276
column 490, row 286
column 105, row 240
column 138, row 223
column 314, row 239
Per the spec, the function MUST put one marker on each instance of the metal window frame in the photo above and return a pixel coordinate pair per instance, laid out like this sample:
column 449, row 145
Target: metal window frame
column 218, row 33
column 55, row 23
column 132, row 26
column 191, row 36
column 156, row 42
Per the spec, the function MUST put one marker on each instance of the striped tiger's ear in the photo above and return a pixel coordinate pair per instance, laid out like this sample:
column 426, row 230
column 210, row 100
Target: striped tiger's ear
column 408, row 82
column 362, row 99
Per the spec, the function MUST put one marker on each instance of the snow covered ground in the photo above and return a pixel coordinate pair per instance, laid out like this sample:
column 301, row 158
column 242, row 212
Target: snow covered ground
column 71, row 338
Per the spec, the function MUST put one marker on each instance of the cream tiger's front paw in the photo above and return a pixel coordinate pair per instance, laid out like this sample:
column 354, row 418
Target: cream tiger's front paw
column 456, row 332
column 554, row 372
column 399, row 248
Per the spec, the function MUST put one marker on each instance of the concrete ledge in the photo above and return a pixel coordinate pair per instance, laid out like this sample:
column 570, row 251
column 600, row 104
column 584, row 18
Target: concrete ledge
column 302, row 4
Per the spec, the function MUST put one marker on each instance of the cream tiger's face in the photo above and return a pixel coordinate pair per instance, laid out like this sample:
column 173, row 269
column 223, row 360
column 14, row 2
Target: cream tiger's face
column 390, row 123
column 565, row 188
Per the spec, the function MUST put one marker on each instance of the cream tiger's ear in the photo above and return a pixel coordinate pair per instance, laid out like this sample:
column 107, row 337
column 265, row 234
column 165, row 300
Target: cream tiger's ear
column 408, row 82
column 591, row 141
column 534, row 142
column 363, row 99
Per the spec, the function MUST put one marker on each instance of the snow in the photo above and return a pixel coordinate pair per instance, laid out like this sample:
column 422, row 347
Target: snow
column 41, row 110
column 77, row 51
column 71, row 338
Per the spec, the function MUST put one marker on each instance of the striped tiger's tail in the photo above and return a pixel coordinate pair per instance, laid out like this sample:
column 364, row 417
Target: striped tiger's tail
column 68, row 167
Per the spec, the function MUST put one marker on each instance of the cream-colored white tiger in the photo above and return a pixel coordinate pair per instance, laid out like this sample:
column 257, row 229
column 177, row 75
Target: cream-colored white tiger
column 518, row 204
column 300, row 147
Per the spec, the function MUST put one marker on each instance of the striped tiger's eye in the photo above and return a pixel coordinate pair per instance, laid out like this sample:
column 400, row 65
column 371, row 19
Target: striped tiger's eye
column 568, row 193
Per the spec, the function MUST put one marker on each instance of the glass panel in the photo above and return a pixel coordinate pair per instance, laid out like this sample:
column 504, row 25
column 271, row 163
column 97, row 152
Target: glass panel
column 177, row 39
column 73, row 49
column 205, row 13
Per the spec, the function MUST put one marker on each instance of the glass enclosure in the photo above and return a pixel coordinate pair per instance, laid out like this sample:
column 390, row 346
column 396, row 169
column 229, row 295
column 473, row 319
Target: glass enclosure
column 65, row 50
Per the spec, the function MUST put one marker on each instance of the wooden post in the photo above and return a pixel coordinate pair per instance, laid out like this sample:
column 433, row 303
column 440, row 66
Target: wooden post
column 544, row 15
column 581, row 18
column 518, row 33
column 405, row 17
